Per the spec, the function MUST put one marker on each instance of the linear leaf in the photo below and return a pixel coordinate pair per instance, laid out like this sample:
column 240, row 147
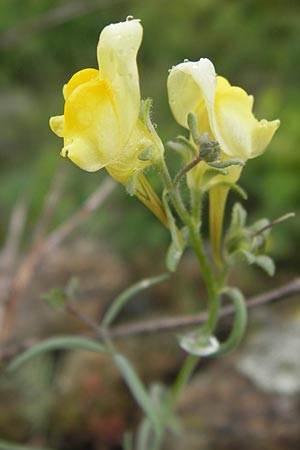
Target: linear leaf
column 126, row 295
column 57, row 343
column 137, row 389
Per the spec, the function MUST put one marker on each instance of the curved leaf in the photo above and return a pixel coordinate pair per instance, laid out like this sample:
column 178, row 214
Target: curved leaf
column 57, row 343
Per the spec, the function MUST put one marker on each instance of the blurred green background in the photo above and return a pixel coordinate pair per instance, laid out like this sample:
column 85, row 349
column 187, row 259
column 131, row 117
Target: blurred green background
column 255, row 44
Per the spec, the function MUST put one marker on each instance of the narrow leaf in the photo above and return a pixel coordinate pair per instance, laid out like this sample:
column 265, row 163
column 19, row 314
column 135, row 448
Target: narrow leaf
column 137, row 389
column 144, row 434
column 119, row 303
column 57, row 343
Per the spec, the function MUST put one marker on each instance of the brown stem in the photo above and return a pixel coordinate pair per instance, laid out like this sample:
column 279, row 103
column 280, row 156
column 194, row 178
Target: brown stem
column 186, row 169
column 164, row 325
column 176, row 323
column 275, row 222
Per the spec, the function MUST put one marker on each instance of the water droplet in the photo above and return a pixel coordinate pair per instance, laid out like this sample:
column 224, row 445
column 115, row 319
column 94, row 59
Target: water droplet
column 128, row 18
column 199, row 344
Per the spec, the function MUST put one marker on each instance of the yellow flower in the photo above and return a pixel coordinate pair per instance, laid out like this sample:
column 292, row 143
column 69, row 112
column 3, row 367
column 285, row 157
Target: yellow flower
column 101, row 125
column 225, row 112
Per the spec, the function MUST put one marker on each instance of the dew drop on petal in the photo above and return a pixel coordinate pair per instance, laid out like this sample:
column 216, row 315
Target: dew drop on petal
column 128, row 18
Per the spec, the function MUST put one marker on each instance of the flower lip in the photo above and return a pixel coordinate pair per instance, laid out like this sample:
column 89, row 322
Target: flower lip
column 81, row 77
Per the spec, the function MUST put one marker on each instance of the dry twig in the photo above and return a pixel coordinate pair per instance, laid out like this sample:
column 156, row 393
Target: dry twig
column 162, row 325
column 10, row 252
column 176, row 323
column 43, row 245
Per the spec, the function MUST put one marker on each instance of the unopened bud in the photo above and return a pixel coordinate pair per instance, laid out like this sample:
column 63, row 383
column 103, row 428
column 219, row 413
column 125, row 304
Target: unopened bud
column 209, row 150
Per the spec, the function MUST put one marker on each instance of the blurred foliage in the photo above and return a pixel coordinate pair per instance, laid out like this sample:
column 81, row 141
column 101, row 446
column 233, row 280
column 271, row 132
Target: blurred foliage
column 254, row 43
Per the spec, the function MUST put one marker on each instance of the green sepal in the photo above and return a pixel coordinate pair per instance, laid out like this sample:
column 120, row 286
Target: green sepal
column 210, row 173
column 247, row 244
column 188, row 144
column 234, row 187
column 178, row 148
column 193, row 126
column 130, row 186
column 227, row 163
column 244, row 255
column 145, row 110
column 146, row 154
column 266, row 263
column 184, row 147
column 263, row 261
column 238, row 216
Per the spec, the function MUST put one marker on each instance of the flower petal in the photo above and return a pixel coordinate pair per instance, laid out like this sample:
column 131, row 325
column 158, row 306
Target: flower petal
column 117, row 51
column 91, row 125
column 240, row 134
column 262, row 135
column 189, row 84
column 81, row 77
column 57, row 125
column 83, row 153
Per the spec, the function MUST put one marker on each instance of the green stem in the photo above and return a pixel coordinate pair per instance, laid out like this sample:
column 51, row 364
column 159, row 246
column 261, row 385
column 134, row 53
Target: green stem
column 192, row 221
column 183, row 378
column 196, row 243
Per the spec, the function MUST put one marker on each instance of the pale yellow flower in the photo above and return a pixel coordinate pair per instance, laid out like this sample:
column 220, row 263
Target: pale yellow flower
column 100, row 125
column 225, row 112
